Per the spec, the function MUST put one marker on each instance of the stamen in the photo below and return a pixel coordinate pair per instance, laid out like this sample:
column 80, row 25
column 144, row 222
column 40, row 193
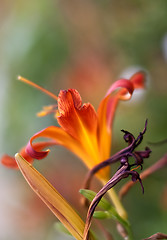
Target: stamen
column 135, row 168
column 47, row 110
column 38, row 87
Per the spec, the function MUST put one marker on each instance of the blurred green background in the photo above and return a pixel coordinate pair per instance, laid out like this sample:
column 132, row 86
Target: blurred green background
column 85, row 45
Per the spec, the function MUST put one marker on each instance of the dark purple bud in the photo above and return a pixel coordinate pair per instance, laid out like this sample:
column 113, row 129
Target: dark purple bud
column 128, row 137
column 123, row 155
column 138, row 158
column 135, row 176
column 144, row 154
column 140, row 137
column 124, row 160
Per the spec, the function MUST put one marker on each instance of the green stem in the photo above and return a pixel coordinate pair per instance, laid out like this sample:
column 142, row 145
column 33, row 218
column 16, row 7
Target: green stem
column 123, row 222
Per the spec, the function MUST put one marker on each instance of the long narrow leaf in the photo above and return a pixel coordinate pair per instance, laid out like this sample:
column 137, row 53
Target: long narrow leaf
column 49, row 195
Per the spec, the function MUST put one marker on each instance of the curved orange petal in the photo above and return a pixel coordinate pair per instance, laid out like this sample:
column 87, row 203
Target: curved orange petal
column 80, row 121
column 73, row 116
column 107, row 107
column 62, row 138
column 138, row 80
column 9, row 161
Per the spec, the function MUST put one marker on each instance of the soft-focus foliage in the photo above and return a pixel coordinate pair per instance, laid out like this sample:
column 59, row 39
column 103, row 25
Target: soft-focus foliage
column 83, row 45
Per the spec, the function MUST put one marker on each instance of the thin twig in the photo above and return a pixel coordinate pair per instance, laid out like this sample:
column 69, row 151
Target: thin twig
column 157, row 236
column 106, row 234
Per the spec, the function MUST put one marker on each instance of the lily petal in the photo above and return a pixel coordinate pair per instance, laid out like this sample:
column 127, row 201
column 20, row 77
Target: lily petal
column 73, row 116
column 106, row 113
column 9, row 161
column 138, row 79
column 107, row 108
column 49, row 195
column 79, row 121
column 60, row 137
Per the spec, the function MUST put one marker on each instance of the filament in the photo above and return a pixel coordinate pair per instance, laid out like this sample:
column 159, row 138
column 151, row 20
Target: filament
column 135, row 168
column 37, row 87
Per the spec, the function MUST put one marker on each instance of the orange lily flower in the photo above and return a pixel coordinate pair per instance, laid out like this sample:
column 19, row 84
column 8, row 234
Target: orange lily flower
column 82, row 130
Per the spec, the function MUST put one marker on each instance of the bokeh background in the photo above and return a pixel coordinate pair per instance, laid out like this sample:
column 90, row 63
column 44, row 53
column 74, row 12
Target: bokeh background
column 85, row 45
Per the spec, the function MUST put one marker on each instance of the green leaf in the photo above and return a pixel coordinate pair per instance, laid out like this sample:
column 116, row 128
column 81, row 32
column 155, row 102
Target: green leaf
column 101, row 215
column 109, row 213
column 104, row 204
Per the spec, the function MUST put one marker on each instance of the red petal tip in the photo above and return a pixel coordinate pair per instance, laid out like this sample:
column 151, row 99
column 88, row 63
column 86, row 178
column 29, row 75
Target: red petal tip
column 35, row 154
column 9, row 161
